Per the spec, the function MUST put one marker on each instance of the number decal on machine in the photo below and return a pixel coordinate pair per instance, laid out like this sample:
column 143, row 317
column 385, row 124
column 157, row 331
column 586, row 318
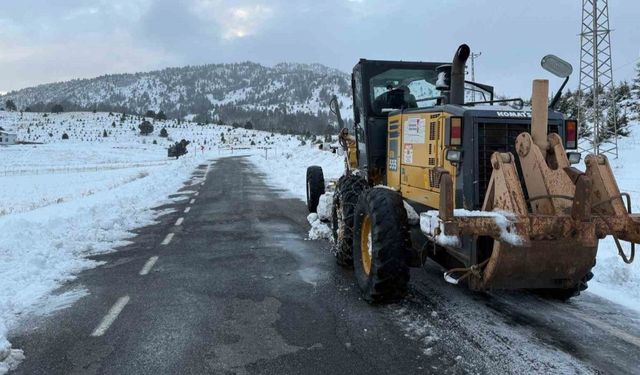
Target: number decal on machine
column 407, row 154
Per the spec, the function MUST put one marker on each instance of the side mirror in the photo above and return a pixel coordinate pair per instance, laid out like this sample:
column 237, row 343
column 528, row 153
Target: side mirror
column 333, row 105
column 556, row 66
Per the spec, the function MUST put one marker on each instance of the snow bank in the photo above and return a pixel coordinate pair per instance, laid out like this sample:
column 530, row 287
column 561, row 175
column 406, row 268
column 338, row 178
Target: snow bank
column 285, row 165
column 319, row 229
column 325, row 206
column 613, row 279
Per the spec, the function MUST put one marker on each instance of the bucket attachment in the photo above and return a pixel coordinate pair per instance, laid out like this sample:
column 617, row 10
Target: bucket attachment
column 548, row 240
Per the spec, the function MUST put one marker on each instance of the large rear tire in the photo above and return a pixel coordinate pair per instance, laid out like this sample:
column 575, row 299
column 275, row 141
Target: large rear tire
column 315, row 187
column 381, row 246
column 346, row 196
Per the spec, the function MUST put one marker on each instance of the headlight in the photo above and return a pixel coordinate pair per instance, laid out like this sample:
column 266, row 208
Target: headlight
column 574, row 157
column 454, row 156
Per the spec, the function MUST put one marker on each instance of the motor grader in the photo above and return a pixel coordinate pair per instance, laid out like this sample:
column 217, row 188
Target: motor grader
column 499, row 204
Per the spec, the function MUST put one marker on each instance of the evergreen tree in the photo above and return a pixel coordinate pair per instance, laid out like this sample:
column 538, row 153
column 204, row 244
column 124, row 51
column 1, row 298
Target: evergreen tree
column 10, row 105
column 163, row 133
column 161, row 116
column 104, row 134
column 635, row 93
column 145, row 128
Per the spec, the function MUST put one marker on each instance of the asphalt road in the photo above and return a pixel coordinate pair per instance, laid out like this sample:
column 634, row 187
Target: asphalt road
column 238, row 289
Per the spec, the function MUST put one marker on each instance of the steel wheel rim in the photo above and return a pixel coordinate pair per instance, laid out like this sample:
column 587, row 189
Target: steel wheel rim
column 366, row 244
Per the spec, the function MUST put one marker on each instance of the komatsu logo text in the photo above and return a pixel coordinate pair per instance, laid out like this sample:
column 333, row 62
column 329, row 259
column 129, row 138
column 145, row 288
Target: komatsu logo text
column 513, row 114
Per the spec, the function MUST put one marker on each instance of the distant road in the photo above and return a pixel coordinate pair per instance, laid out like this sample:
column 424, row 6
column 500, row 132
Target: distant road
column 228, row 284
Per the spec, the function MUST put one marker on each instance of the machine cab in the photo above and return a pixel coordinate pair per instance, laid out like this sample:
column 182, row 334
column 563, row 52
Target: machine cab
column 381, row 87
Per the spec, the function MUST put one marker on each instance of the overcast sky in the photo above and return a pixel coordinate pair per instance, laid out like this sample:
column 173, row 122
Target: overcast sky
column 46, row 41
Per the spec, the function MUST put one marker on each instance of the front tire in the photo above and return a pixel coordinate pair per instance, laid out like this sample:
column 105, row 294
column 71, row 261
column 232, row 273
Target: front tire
column 381, row 246
column 315, row 187
column 345, row 198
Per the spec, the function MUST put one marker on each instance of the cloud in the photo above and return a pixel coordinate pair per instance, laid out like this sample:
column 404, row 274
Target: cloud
column 43, row 41
column 233, row 21
column 84, row 57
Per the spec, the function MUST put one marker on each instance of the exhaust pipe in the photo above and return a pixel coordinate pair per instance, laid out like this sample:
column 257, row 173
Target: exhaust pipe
column 457, row 74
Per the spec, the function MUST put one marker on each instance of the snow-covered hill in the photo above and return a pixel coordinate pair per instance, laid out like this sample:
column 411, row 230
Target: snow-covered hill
column 291, row 96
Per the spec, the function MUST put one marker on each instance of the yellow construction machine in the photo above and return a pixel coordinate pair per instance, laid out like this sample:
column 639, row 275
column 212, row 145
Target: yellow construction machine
column 437, row 168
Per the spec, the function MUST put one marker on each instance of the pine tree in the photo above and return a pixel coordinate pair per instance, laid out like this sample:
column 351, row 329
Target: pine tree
column 635, row 94
column 10, row 105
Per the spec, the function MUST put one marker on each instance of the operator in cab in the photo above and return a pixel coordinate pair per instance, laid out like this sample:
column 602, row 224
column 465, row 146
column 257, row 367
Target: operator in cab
column 396, row 98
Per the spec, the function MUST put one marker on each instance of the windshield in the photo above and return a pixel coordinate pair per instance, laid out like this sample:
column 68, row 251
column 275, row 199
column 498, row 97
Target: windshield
column 413, row 88
column 403, row 88
column 474, row 93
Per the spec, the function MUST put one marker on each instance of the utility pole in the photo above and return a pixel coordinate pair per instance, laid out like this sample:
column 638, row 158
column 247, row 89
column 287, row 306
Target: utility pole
column 474, row 56
column 596, row 77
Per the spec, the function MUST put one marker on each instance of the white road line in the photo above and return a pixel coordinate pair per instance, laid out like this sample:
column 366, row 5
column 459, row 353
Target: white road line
column 196, row 193
column 167, row 239
column 179, row 221
column 111, row 316
column 147, row 266
column 186, row 210
column 192, row 201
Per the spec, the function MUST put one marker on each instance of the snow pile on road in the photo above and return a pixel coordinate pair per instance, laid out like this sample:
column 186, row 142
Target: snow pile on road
column 325, row 205
column 9, row 358
column 319, row 229
column 320, row 221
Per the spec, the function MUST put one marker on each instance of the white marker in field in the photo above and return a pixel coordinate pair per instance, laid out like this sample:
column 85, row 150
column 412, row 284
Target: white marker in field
column 186, row 210
column 192, row 201
column 111, row 316
column 179, row 221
